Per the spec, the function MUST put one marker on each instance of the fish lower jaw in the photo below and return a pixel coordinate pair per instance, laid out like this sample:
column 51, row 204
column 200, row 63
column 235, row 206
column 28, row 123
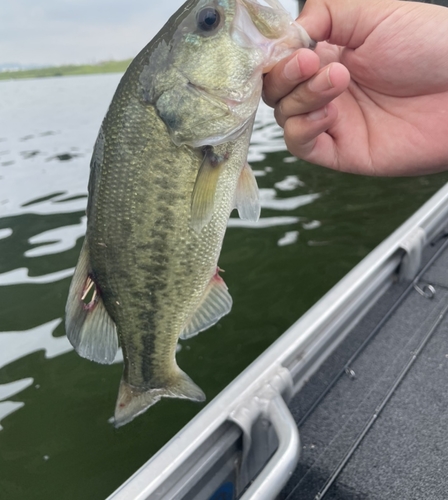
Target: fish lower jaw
column 280, row 49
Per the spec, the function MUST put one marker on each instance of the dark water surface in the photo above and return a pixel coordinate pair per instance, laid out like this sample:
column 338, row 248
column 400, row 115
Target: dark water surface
column 55, row 439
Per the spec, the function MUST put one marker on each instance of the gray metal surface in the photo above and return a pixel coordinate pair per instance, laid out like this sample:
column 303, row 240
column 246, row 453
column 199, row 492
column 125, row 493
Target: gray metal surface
column 299, row 352
column 379, row 432
column 278, row 470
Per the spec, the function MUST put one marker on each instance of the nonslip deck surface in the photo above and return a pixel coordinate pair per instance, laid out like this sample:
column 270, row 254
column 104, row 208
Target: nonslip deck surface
column 379, row 431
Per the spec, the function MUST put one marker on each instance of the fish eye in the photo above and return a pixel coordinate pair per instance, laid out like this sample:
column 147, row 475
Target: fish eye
column 208, row 19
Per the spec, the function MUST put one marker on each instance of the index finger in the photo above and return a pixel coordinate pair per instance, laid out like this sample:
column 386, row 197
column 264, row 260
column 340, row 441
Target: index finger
column 288, row 73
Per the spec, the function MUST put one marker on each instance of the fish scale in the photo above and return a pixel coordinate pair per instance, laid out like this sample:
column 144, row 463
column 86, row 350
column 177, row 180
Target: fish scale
column 161, row 271
column 168, row 167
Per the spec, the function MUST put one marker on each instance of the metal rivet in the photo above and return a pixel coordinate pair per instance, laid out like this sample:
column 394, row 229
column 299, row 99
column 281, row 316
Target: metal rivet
column 428, row 291
column 350, row 372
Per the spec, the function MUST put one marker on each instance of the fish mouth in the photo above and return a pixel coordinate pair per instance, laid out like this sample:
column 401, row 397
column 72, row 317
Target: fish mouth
column 269, row 27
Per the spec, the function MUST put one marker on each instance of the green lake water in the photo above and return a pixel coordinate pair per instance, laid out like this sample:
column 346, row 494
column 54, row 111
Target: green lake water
column 55, row 438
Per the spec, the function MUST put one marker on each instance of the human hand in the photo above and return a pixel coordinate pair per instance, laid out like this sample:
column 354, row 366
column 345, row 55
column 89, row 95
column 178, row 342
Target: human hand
column 391, row 116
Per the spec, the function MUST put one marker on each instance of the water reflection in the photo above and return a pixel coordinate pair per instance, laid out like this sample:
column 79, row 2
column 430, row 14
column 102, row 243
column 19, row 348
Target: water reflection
column 16, row 345
column 8, row 407
column 314, row 226
column 268, row 199
column 263, row 222
column 63, row 157
column 5, row 232
column 289, row 238
column 8, row 390
column 21, row 276
column 58, row 121
column 56, row 240
column 58, row 125
column 289, row 183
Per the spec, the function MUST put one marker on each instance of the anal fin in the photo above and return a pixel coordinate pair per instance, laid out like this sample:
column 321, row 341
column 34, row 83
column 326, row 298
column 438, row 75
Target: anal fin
column 215, row 304
column 89, row 327
column 246, row 197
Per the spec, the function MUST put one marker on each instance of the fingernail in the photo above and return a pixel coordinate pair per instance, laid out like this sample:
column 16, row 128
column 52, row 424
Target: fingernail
column 321, row 82
column 318, row 114
column 292, row 70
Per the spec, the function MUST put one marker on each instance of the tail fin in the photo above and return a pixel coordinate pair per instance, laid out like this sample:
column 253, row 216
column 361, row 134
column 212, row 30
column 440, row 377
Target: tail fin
column 133, row 401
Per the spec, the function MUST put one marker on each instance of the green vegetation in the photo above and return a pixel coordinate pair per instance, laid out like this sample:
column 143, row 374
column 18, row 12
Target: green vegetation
column 86, row 69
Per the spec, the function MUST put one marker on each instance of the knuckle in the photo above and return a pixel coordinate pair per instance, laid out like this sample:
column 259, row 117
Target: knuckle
column 297, row 131
column 279, row 119
column 269, row 92
column 265, row 93
column 278, row 114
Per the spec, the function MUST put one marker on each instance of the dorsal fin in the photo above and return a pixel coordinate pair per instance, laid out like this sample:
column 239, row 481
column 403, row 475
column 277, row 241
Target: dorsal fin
column 246, row 197
column 215, row 304
column 89, row 327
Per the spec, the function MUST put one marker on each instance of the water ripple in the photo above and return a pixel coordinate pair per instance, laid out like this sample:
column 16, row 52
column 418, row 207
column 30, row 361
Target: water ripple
column 57, row 240
column 289, row 183
column 8, row 407
column 5, row 232
column 16, row 345
column 268, row 199
column 20, row 276
column 8, row 390
column 289, row 238
column 263, row 222
column 45, row 168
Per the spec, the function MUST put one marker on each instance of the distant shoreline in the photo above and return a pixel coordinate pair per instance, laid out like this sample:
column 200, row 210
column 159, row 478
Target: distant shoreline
column 69, row 70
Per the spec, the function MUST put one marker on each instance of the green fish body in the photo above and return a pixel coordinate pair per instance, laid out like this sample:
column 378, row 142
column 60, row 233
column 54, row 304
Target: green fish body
column 169, row 166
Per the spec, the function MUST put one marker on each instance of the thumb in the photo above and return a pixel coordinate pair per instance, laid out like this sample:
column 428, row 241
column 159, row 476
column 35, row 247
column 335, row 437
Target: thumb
column 344, row 22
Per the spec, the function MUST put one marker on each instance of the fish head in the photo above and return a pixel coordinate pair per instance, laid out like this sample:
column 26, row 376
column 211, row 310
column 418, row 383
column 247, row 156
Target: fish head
column 204, row 72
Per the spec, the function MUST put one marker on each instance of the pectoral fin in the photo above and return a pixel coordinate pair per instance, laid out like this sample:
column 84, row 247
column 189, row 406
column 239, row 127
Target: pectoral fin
column 246, row 198
column 203, row 197
column 215, row 303
column 89, row 327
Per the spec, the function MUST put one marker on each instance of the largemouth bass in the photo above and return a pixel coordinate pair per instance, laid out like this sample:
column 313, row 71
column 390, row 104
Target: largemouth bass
column 168, row 167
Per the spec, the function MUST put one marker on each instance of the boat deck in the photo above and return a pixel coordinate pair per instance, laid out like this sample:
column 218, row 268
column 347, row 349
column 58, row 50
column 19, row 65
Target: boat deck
column 373, row 418
column 364, row 373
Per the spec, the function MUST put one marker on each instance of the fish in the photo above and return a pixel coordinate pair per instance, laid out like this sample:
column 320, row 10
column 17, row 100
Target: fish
column 168, row 167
